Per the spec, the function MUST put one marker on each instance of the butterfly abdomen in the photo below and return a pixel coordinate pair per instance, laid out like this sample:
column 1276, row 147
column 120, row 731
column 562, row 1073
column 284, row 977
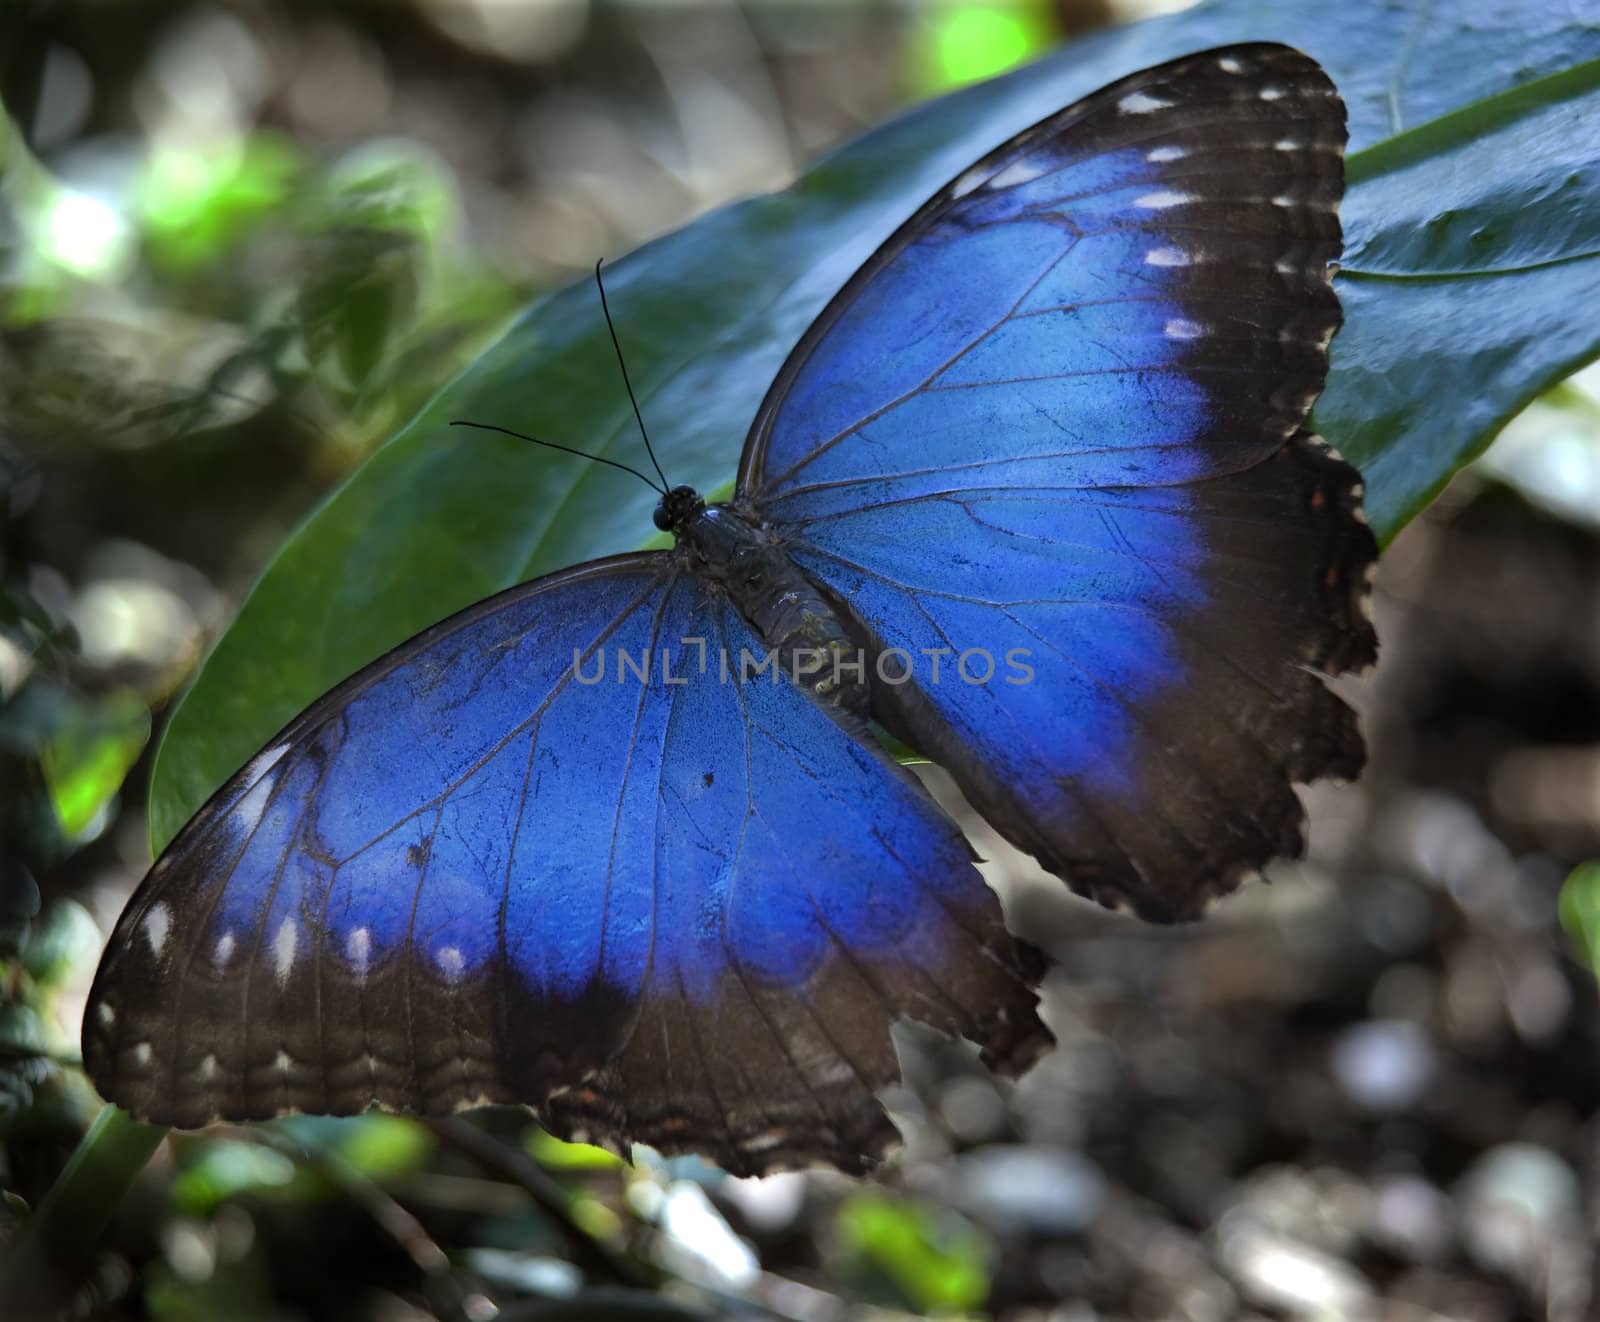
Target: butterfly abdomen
column 806, row 638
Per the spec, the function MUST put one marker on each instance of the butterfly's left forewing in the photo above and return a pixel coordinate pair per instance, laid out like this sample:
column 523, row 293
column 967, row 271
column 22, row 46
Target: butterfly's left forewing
column 518, row 860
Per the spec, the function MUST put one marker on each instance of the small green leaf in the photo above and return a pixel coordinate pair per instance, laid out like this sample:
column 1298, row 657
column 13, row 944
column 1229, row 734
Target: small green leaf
column 594, row 1218
column 196, row 202
column 88, row 755
column 361, row 299
column 62, row 1233
column 1580, row 911
column 384, row 1147
column 940, row 1264
column 376, row 1145
column 386, row 187
column 225, row 1168
column 550, row 1151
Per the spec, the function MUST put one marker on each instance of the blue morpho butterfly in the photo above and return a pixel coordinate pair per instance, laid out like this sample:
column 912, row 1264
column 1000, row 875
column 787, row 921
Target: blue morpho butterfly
column 1053, row 426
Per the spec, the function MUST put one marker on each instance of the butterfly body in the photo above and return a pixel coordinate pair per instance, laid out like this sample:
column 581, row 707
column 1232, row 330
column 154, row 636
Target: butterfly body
column 806, row 637
column 1046, row 454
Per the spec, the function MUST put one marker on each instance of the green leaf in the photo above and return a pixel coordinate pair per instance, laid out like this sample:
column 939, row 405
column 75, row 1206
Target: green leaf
column 556, row 1154
column 1447, row 104
column 1580, row 911
column 389, row 186
column 376, row 1145
column 89, row 754
column 196, row 202
column 58, row 1240
column 385, row 1147
column 939, row 1264
column 226, row 1168
column 1472, row 258
column 356, row 303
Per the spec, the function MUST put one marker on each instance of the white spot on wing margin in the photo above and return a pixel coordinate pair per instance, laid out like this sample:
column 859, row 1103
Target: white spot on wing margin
column 450, row 961
column 1021, row 172
column 967, row 181
column 265, row 760
column 1141, row 103
column 283, row 948
column 156, row 925
column 1162, row 199
column 358, row 950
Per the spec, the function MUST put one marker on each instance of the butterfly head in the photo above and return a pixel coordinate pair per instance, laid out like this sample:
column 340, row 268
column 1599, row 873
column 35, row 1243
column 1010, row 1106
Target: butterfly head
column 677, row 507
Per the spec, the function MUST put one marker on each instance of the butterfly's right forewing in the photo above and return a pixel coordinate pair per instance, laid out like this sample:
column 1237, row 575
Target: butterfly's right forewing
column 347, row 922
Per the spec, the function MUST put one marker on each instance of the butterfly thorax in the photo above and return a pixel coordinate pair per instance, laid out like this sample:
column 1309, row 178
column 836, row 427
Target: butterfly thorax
column 801, row 628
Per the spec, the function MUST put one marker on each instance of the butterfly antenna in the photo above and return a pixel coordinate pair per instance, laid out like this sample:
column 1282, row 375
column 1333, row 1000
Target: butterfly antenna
column 627, row 384
column 565, row 449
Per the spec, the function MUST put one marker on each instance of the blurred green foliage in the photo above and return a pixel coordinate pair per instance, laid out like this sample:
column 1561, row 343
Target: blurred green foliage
column 87, row 751
column 935, row 1262
column 1580, row 912
column 550, row 1151
column 40, row 961
column 960, row 42
column 349, row 281
column 193, row 206
column 343, row 291
column 227, row 1168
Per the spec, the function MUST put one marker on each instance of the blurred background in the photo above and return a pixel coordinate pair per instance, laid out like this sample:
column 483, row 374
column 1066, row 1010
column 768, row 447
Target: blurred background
column 241, row 243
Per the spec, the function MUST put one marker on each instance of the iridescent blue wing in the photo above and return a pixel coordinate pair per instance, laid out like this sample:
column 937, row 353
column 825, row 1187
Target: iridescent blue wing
column 1057, row 418
column 683, row 911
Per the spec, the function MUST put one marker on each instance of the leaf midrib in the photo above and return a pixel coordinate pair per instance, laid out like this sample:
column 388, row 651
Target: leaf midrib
column 1465, row 272
column 1468, row 123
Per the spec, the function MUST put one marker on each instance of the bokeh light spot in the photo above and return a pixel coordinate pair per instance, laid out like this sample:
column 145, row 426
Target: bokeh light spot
column 979, row 41
column 85, row 235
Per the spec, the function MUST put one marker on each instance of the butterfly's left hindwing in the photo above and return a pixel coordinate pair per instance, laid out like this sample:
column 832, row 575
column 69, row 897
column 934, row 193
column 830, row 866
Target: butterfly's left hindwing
column 499, row 866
